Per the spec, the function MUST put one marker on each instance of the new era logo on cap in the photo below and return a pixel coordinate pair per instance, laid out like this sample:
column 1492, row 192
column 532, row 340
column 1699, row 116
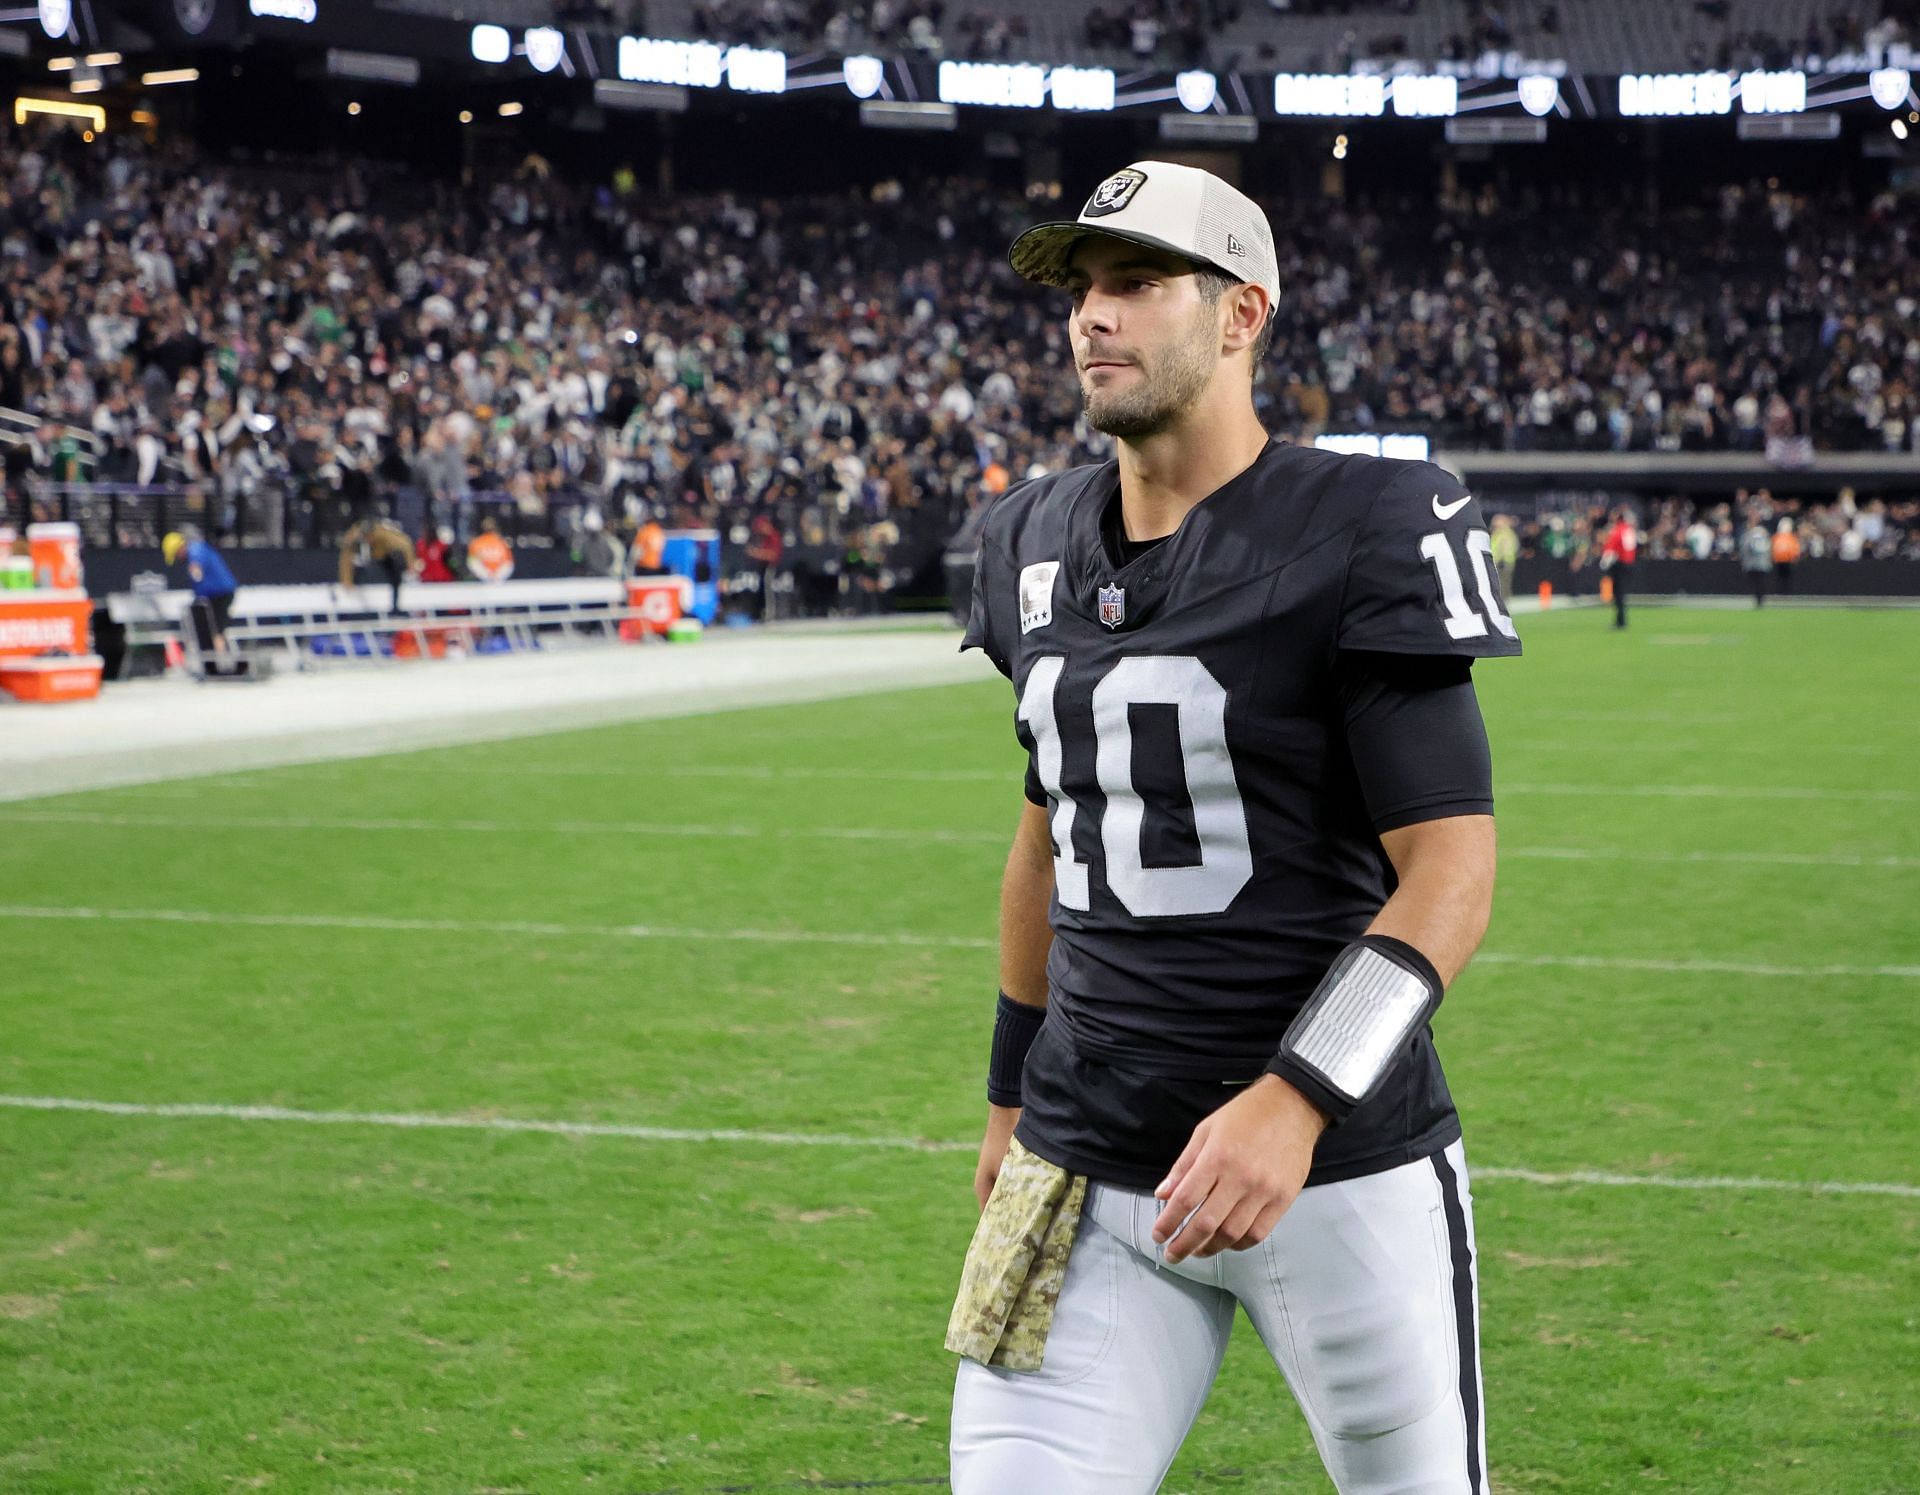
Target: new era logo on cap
column 1180, row 209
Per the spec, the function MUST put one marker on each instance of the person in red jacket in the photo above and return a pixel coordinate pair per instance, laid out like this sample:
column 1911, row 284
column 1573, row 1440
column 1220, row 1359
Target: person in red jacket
column 1617, row 556
column 436, row 555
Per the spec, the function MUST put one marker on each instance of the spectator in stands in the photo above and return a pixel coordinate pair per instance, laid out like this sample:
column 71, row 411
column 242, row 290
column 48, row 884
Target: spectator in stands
column 382, row 545
column 648, row 554
column 212, row 582
column 764, row 549
column 596, row 552
column 436, row 555
column 489, row 556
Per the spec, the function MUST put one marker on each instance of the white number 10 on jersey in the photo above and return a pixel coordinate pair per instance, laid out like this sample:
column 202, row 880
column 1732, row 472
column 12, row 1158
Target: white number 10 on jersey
column 1219, row 815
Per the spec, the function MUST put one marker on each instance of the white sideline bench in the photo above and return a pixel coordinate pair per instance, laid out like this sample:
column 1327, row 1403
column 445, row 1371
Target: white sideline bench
column 288, row 616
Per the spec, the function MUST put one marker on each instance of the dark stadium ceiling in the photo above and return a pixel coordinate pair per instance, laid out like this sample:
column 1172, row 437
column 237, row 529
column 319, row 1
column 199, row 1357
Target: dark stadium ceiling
column 377, row 44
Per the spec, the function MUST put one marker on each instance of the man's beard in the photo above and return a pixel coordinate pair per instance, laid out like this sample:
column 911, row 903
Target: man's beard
column 1161, row 395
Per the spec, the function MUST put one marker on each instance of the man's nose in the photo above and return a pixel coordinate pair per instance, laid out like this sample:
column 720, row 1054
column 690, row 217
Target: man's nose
column 1096, row 313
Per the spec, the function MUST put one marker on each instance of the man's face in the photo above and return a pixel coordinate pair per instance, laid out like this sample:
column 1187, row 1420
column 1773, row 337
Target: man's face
column 1144, row 341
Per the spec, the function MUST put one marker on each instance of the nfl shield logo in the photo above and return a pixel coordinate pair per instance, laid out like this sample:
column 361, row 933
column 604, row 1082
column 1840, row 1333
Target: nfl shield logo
column 1113, row 606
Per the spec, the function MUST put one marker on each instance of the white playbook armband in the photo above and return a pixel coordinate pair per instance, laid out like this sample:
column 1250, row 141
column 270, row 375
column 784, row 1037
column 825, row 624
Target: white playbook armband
column 1358, row 1020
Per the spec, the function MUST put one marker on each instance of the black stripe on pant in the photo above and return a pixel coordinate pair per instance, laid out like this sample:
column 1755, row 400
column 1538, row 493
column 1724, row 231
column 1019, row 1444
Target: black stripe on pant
column 1464, row 1318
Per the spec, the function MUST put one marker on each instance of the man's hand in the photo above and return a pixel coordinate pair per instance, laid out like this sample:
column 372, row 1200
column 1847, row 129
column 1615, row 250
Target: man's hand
column 1241, row 1170
column 1001, row 1120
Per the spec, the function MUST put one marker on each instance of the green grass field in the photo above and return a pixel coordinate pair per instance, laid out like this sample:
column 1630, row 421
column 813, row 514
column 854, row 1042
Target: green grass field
column 1721, row 806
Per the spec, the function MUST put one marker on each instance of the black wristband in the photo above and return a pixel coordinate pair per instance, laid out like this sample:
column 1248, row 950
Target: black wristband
column 1015, row 1026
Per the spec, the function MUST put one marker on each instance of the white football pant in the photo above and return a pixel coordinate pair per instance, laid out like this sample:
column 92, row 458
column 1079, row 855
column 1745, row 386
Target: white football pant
column 1366, row 1295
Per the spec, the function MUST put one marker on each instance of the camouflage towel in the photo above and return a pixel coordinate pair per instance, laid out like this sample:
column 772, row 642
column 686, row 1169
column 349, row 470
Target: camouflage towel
column 1017, row 1263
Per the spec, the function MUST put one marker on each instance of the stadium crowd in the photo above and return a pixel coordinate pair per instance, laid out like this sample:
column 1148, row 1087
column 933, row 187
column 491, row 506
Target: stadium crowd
column 863, row 365
column 1681, row 529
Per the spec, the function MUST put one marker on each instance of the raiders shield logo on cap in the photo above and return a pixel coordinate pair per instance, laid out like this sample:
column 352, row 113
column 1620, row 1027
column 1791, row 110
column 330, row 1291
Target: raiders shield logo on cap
column 1114, row 193
column 1113, row 606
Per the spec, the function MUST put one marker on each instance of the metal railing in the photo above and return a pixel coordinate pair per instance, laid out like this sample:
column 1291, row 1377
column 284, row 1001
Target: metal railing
column 132, row 516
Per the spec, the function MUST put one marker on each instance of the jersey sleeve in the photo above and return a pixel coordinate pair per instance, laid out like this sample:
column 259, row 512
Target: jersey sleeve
column 1420, row 576
column 980, row 630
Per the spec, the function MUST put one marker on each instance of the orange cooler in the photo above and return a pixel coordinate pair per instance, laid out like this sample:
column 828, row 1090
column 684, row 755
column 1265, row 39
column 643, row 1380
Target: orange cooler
column 657, row 601
column 56, row 555
column 73, row 678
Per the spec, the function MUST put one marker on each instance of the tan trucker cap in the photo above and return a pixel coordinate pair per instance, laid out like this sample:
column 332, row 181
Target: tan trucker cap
column 1180, row 209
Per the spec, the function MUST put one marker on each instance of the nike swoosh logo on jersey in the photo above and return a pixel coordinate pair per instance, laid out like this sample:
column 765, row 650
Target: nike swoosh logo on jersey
column 1447, row 511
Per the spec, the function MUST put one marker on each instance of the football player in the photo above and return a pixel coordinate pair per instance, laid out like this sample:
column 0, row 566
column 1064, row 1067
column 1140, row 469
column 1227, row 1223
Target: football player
column 1258, row 846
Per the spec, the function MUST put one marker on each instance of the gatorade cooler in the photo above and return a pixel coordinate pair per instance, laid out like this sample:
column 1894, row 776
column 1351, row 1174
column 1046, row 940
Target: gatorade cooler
column 72, row 677
column 16, row 573
column 56, row 555
column 657, row 602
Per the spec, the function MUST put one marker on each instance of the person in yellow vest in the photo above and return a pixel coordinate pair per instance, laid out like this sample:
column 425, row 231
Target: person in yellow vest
column 489, row 556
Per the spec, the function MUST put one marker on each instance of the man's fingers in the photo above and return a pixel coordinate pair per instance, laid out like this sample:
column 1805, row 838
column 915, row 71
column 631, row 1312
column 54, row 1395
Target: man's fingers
column 1200, row 1232
column 1189, row 1155
column 1235, row 1229
column 1180, row 1206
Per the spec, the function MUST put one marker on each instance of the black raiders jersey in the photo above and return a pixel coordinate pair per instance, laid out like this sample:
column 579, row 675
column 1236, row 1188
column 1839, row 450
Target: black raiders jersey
column 1212, row 849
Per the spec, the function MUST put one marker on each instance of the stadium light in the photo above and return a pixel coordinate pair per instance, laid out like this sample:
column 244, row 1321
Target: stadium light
column 102, row 59
column 1082, row 90
column 60, row 64
column 510, row 109
column 1889, row 86
column 86, row 85
column 881, row 114
column 1899, row 129
column 544, row 47
column 170, row 75
column 661, row 98
column 24, row 109
column 1422, row 97
column 1196, row 92
column 56, row 17
column 756, row 70
column 1673, row 95
column 1210, row 129
column 645, row 59
column 1539, row 94
column 490, row 44
column 303, row 11
column 372, row 67
column 1773, row 93
column 1330, row 95
column 863, row 75
column 466, row 116
column 1005, row 85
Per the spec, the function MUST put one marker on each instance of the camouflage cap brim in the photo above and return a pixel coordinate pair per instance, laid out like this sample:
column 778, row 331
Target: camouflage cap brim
column 1043, row 253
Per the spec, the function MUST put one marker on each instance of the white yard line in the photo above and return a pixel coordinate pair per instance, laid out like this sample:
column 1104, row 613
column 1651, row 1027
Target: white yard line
column 379, row 923
column 418, row 1121
column 1713, row 791
column 1736, row 858
column 907, row 835
column 507, row 827
column 376, row 922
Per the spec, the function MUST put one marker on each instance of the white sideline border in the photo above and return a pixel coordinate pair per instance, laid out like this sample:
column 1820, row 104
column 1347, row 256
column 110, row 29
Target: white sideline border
column 397, row 924
column 416, row 1121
